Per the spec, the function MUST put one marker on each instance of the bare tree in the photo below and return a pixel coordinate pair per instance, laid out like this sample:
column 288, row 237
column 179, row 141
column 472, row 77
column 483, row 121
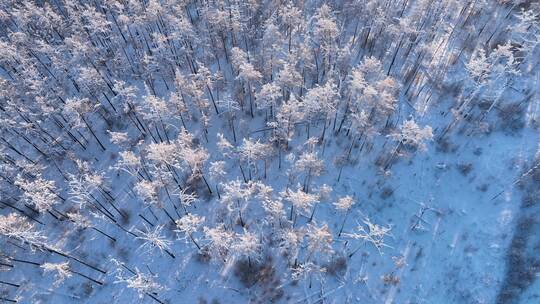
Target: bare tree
column 344, row 204
column 371, row 233
column 40, row 193
column 188, row 225
column 153, row 238
column 61, row 271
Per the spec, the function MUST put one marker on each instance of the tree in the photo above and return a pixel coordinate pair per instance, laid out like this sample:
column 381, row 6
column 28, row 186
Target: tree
column 319, row 241
column 268, row 97
column 188, row 225
column 76, row 110
column 288, row 78
column 371, row 91
column 128, row 162
column 204, row 80
column 187, row 199
column 153, row 238
column 162, row 153
column 290, row 242
column 360, row 125
column 248, row 74
column 177, row 99
column 138, row 79
column 126, row 96
column 275, row 210
column 238, row 58
column 288, row 115
column 229, row 108
column 219, row 241
column 251, row 151
column 413, row 135
column 325, row 31
column 410, row 135
column 217, row 173
column 155, row 110
column 271, row 47
column 224, row 145
column 236, row 196
column 83, row 184
column 40, row 193
column 263, row 192
column 82, row 222
column 371, row 233
column 148, row 191
column 164, row 159
column 320, row 102
column 144, row 284
column 120, row 138
column 61, row 271
column 291, row 17
column 14, row 226
column 191, row 156
column 90, row 81
column 478, row 67
column 308, row 269
column 490, row 76
column 527, row 30
column 311, row 165
column 344, row 204
column 301, row 201
column 246, row 245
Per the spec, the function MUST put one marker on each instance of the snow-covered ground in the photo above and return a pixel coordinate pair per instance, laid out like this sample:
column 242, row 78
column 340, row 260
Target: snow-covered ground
column 269, row 152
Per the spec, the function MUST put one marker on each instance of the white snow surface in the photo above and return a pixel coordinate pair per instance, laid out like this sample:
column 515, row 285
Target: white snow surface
column 456, row 208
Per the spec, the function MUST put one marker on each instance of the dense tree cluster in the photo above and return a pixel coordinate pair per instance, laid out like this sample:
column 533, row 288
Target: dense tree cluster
column 161, row 123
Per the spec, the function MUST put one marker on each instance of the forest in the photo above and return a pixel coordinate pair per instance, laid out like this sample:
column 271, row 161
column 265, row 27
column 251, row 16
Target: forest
column 269, row 151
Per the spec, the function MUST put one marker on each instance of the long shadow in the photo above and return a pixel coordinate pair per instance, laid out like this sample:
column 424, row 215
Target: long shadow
column 523, row 254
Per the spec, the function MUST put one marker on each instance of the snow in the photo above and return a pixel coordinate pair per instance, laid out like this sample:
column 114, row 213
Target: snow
column 386, row 153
